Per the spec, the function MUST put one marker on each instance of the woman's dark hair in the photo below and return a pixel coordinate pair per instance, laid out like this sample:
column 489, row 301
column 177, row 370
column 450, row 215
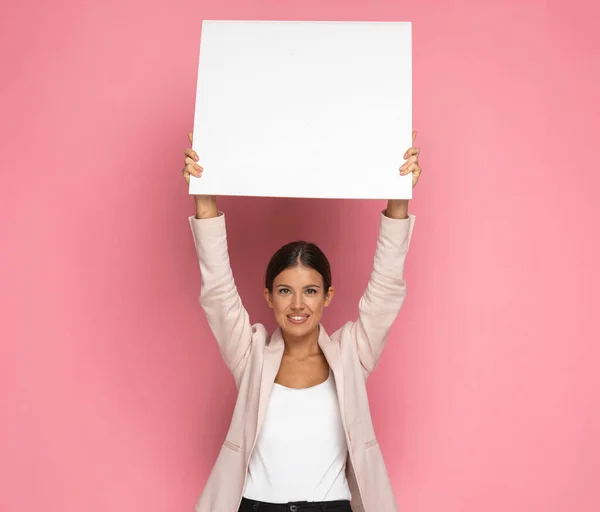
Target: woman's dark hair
column 298, row 253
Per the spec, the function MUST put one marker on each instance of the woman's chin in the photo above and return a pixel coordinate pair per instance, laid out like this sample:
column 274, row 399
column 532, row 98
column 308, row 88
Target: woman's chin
column 297, row 330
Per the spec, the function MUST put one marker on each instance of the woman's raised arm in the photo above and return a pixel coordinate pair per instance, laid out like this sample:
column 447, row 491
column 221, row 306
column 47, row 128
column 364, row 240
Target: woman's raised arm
column 227, row 317
column 386, row 291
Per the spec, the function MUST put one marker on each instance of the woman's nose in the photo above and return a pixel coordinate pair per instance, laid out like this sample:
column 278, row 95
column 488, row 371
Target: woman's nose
column 297, row 302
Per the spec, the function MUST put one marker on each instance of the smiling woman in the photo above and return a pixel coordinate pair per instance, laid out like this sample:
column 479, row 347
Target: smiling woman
column 298, row 288
column 301, row 435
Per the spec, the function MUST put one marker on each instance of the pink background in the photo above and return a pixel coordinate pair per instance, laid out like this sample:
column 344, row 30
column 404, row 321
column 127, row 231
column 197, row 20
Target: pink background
column 113, row 394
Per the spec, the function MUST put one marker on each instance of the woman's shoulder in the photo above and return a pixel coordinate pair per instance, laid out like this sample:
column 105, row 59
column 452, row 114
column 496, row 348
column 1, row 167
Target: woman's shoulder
column 342, row 332
column 343, row 336
column 261, row 337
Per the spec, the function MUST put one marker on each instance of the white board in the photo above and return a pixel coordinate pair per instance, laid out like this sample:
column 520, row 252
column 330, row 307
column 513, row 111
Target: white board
column 304, row 109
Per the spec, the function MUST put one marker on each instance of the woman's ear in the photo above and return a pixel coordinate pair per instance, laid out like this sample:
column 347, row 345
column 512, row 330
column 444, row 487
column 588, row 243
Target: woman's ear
column 269, row 298
column 329, row 296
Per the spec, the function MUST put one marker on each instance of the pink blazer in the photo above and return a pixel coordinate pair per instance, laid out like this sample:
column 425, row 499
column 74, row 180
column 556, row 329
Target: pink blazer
column 254, row 358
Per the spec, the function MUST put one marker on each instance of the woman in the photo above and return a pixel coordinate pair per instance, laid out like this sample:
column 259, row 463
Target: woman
column 301, row 436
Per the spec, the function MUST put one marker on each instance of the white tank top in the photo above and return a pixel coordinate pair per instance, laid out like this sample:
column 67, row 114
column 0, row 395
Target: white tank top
column 300, row 454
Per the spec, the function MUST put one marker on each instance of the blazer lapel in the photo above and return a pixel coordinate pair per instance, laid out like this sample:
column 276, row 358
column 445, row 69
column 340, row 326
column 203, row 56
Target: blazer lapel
column 331, row 350
column 271, row 364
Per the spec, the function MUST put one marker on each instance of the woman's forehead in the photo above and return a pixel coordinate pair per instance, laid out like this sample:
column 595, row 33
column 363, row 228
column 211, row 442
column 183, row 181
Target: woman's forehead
column 299, row 275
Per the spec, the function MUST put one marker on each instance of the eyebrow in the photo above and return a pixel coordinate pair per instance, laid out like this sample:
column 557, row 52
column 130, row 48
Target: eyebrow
column 309, row 286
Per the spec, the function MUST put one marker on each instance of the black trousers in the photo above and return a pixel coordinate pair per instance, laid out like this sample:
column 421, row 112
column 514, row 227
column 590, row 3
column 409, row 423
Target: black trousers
column 295, row 506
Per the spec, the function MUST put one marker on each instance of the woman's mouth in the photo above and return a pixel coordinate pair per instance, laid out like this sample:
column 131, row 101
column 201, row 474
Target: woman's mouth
column 297, row 319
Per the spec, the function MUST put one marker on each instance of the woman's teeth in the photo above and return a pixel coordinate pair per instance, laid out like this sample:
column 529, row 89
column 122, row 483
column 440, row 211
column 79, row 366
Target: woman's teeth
column 297, row 318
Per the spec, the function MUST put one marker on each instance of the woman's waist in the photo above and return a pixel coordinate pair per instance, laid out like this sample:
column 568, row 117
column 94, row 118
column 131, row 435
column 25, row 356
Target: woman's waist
column 249, row 505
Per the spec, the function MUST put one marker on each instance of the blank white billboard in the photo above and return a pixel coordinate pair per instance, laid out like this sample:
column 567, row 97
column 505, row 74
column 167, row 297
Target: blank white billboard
column 304, row 109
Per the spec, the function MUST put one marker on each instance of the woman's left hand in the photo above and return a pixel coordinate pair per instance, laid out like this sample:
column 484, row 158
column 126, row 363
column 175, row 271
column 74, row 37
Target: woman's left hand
column 412, row 162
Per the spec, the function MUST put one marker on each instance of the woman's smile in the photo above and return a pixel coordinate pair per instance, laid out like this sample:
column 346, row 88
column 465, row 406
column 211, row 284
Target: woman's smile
column 297, row 319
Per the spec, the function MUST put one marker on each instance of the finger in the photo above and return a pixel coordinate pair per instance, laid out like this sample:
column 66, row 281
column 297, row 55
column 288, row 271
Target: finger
column 416, row 171
column 415, row 176
column 190, row 163
column 412, row 160
column 411, row 151
column 190, row 169
column 191, row 137
column 191, row 153
column 193, row 167
column 413, row 167
column 414, row 136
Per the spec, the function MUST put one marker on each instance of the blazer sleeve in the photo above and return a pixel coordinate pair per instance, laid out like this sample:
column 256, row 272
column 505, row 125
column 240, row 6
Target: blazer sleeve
column 386, row 291
column 219, row 297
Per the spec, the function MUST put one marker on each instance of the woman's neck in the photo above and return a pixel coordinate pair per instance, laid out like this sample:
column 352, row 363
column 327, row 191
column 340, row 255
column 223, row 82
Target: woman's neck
column 301, row 347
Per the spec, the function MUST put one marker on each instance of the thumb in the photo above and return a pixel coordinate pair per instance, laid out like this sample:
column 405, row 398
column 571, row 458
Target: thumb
column 414, row 134
column 191, row 137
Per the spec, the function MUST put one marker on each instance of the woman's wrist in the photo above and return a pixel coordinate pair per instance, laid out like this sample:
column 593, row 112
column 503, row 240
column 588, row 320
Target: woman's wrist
column 206, row 206
column 397, row 209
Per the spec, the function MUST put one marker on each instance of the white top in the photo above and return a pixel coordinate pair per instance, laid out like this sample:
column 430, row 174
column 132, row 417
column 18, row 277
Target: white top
column 300, row 454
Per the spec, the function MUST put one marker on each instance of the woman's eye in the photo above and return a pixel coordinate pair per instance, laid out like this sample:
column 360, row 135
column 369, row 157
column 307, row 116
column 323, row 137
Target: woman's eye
column 283, row 290
column 311, row 291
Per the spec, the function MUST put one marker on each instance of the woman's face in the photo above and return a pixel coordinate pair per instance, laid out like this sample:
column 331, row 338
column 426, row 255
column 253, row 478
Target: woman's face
column 298, row 300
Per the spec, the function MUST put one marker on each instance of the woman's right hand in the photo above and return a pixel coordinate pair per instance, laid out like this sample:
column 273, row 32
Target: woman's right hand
column 190, row 165
column 206, row 206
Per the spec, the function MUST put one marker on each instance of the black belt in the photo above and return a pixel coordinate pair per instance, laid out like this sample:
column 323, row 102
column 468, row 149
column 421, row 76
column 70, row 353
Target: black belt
column 295, row 506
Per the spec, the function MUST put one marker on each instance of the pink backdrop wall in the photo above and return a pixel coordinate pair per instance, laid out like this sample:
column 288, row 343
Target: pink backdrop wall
column 113, row 395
